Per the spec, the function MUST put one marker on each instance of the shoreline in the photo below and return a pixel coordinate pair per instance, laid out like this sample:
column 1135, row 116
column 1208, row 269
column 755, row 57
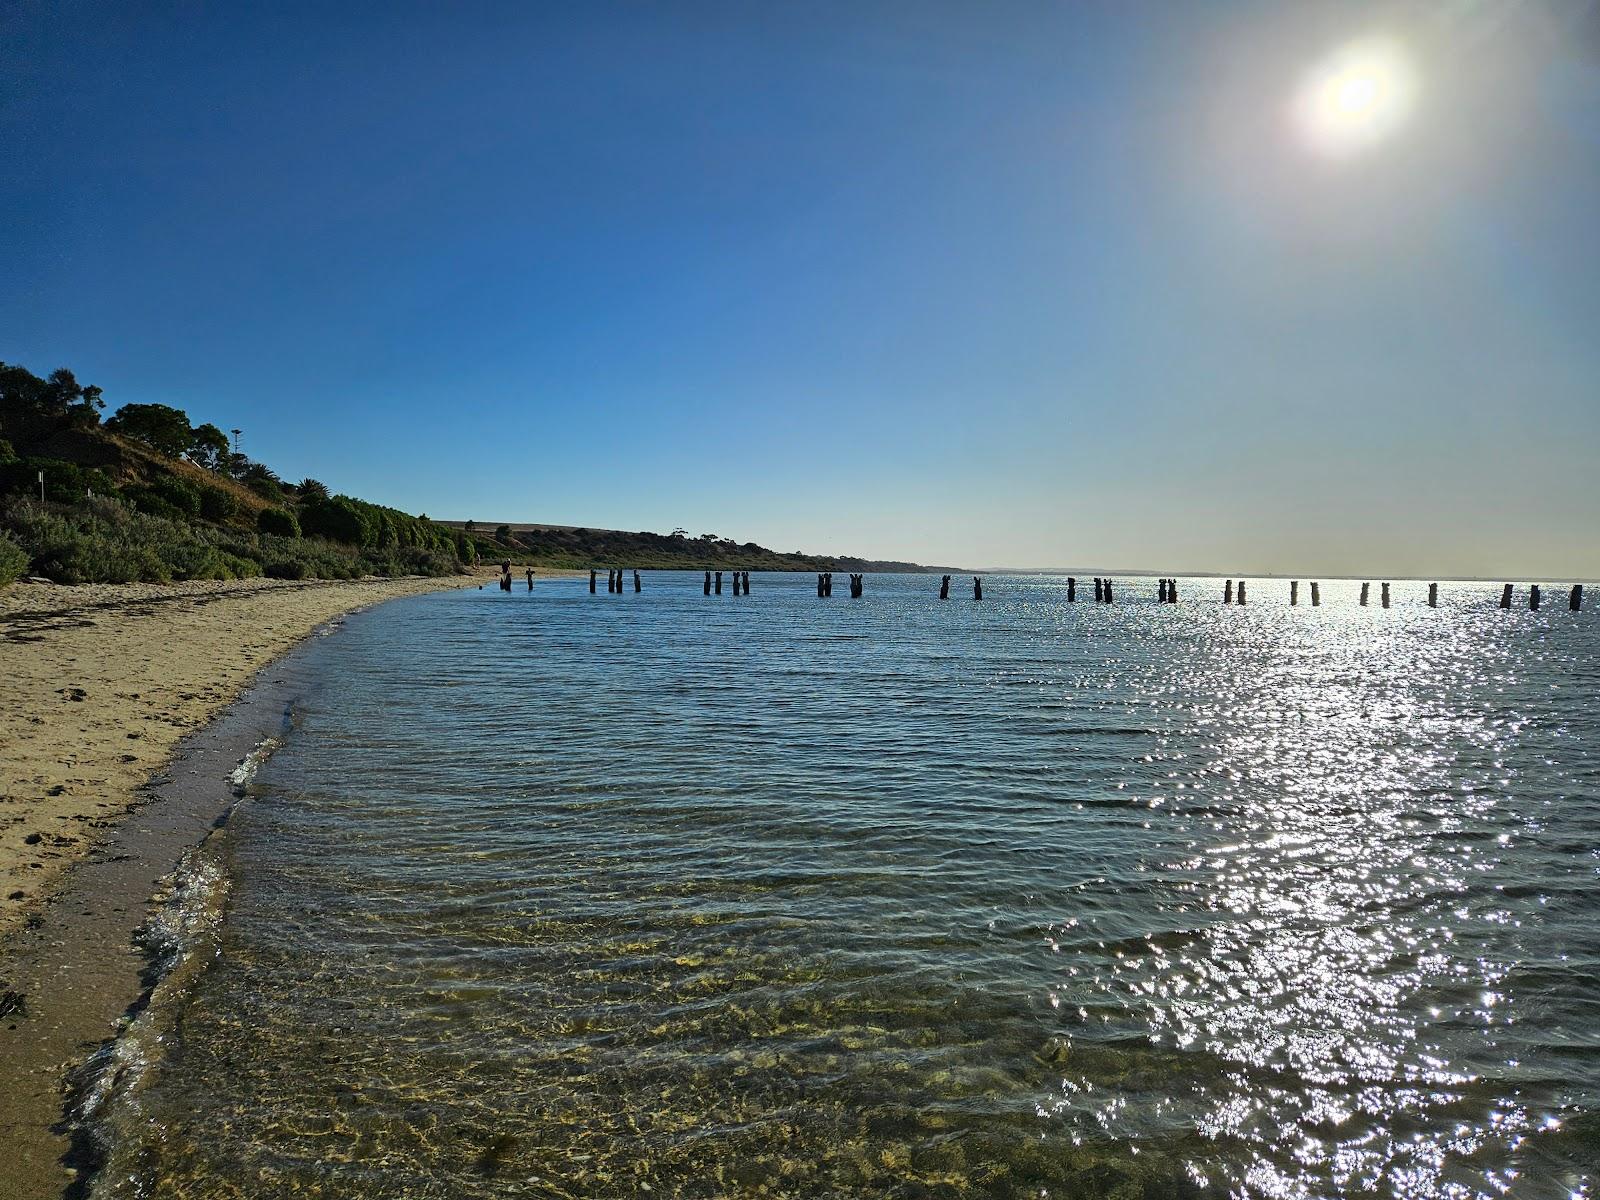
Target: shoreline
column 127, row 708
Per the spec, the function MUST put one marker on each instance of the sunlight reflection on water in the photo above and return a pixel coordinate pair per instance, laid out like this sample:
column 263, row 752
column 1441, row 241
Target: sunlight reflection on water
column 552, row 895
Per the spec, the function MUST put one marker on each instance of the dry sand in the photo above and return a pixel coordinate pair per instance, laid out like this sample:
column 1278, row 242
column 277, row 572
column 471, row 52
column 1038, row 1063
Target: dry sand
column 98, row 683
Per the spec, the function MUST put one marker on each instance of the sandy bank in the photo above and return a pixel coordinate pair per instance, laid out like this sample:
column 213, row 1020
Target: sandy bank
column 98, row 683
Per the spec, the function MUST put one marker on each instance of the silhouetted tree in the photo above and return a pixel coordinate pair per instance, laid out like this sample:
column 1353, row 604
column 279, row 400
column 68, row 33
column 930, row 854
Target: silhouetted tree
column 32, row 408
column 158, row 426
column 313, row 489
column 208, row 447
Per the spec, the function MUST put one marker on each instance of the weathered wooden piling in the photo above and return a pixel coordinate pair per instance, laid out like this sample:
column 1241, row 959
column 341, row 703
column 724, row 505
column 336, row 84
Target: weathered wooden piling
column 1172, row 591
column 1366, row 592
column 1227, row 592
column 1294, row 593
column 1072, row 589
column 1241, row 591
column 1433, row 595
column 827, row 583
column 718, row 588
column 1161, row 591
column 708, row 583
column 530, row 579
column 1533, row 598
column 1316, row 594
column 1109, row 598
column 977, row 587
column 638, row 584
column 1575, row 598
column 592, row 576
column 944, row 588
column 1099, row 590
column 1386, row 595
column 1505, row 596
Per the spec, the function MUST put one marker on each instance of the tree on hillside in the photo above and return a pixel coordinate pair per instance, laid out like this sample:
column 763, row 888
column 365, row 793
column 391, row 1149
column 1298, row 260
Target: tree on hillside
column 262, row 480
column 208, row 447
column 313, row 489
column 503, row 533
column 31, row 407
column 158, row 426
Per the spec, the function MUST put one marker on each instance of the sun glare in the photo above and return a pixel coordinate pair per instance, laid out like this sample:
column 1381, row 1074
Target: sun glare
column 1356, row 97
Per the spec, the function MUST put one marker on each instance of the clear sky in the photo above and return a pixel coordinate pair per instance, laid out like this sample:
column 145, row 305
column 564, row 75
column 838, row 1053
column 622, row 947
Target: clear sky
column 979, row 284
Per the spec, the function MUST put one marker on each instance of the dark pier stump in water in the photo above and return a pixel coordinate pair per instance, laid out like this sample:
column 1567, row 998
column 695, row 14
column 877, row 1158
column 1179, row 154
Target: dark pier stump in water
column 1505, row 596
column 1316, row 595
column 827, row 583
column 530, row 581
column 638, row 585
column 1099, row 590
column 1172, row 591
column 1386, row 595
column 1227, row 592
column 1433, row 595
column 1241, row 591
column 1294, row 593
column 1109, row 598
column 719, row 583
column 1072, row 589
column 944, row 588
column 1366, row 593
column 1575, row 598
column 977, row 587
column 1161, row 591
column 708, row 583
column 1533, row 598
column 592, row 574
column 819, row 585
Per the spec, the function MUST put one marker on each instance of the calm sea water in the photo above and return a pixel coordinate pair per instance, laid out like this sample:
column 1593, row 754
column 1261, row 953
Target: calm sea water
column 612, row 896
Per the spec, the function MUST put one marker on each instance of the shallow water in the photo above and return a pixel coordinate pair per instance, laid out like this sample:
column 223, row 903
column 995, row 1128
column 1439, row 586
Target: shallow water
column 603, row 896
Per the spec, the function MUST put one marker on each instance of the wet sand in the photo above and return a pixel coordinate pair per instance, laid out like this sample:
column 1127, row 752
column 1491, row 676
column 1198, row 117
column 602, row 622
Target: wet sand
column 101, row 687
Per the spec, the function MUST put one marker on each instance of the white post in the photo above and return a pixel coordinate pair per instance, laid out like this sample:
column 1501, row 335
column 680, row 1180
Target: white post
column 41, row 487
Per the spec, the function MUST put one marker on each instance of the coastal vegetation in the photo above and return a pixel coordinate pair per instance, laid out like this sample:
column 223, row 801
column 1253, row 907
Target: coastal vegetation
column 566, row 547
column 146, row 496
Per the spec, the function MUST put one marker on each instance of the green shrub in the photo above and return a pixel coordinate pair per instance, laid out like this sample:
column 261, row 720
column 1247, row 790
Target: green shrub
column 7, row 454
column 338, row 519
column 13, row 561
column 64, row 482
column 239, row 567
column 217, row 504
column 279, row 521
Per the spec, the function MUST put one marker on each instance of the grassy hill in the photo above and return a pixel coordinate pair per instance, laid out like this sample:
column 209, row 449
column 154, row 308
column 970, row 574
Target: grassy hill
column 147, row 496
column 570, row 546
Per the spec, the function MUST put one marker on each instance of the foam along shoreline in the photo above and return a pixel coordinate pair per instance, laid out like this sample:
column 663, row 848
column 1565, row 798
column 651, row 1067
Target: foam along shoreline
column 102, row 686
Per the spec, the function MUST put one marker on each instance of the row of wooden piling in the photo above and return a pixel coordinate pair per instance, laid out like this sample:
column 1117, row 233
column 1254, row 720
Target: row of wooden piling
column 616, row 581
column 741, row 583
column 1233, row 592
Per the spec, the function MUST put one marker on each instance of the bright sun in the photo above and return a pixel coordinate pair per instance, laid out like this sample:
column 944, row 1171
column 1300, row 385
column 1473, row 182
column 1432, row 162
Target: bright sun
column 1355, row 97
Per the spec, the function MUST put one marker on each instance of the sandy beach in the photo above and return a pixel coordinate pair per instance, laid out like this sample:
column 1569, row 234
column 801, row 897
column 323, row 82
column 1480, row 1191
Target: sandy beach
column 102, row 681
column 101, row 684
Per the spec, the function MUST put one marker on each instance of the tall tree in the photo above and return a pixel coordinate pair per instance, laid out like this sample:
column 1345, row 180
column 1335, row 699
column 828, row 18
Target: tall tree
column 209, row 447
column 158, row 426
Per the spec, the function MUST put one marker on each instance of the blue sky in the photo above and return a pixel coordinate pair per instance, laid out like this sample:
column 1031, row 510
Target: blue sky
column 985, row 284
